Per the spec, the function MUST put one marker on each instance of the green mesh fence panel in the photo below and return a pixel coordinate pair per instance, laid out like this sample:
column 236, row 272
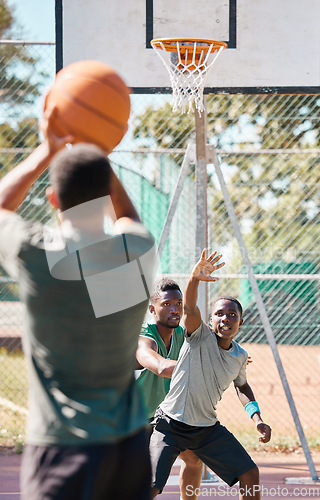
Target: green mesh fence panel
column 289, row 303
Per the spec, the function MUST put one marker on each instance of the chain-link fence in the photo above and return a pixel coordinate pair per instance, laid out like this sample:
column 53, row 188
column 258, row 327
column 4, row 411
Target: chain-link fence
column 268, row 147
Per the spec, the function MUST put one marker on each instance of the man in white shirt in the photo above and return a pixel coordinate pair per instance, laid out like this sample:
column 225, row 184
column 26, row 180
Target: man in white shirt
column 208, row 362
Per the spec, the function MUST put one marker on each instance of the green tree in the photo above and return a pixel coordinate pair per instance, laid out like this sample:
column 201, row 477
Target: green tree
column 18, row 136
column 14, row 89
column 163, row 127
column 269, row 191
column 268, row 121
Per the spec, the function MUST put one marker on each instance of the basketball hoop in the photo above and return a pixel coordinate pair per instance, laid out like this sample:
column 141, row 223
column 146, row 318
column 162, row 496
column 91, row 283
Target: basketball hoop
column 188, row 62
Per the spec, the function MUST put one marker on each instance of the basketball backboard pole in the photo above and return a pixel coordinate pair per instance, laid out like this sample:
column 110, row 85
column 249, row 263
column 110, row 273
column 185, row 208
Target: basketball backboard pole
column 201, row 240
column 188, row 158
column 201, row 200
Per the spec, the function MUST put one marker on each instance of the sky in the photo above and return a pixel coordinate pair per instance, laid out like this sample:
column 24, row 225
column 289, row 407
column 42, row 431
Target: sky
column 36, row 17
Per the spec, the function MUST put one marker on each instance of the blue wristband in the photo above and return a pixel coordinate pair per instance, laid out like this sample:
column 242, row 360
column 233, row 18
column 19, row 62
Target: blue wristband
column 252, row 408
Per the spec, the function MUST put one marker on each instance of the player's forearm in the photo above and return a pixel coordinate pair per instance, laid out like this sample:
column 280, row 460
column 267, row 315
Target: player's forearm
column 163, row 368
column 158, row 365
column 245, row 394
column 166, row 368
column 246, row 397
column 15, row 185
column 190, row 297
column 191, row 313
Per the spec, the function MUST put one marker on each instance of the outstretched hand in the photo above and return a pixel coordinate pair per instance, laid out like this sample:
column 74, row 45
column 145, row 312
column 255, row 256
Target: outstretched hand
column 206, row 266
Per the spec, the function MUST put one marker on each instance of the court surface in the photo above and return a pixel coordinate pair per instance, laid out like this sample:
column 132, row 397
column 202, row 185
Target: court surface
column 276, row 470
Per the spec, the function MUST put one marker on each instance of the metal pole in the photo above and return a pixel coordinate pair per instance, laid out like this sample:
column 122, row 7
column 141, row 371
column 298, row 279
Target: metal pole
column 175, row 198
column 201, row 201
column 263, row 314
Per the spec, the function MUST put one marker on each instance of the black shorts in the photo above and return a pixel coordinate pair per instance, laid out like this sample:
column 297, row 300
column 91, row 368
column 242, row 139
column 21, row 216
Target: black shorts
column 119, row 471
column 214, row 445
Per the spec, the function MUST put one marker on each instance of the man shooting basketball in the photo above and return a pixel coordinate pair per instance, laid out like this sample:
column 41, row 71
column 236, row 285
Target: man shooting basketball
column 85, row 302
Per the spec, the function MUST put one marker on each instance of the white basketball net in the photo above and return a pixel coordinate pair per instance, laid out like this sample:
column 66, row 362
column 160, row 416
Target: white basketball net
column 188, row 72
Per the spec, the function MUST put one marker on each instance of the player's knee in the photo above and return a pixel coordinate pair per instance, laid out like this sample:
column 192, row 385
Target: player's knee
column 191, row 460
column 251, row 476
column 155, row 492
column 196, row 464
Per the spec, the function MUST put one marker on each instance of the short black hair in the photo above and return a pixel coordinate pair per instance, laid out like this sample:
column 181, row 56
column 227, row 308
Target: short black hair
column 163, row 285
column 80, row 174
column 232, row 299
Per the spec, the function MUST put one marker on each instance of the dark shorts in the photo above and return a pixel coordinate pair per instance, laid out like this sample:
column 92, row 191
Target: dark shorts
column 119, row 471
column 214, row 445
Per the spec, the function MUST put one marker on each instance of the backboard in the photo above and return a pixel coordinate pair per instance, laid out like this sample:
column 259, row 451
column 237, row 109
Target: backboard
column 273, row 45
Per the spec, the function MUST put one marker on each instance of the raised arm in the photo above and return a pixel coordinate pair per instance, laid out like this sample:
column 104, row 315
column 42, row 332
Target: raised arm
column 201, row 272
column 247, row 399
column 15, row 185
column 148, row 357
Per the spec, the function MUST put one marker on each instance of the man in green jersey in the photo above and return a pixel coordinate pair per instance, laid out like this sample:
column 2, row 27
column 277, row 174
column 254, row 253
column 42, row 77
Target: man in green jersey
column 159, row 347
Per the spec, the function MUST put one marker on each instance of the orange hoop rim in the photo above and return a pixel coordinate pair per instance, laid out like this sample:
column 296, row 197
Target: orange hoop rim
column 170, row 44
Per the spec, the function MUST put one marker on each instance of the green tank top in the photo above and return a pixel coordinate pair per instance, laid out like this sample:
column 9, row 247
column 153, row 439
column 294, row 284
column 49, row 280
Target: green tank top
column 153, row 387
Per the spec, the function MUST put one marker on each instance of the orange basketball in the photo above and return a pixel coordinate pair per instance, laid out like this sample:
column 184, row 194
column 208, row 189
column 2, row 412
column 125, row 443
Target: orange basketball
column 92, row 102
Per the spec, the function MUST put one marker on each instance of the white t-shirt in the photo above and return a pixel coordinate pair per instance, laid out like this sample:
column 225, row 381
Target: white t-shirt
column 203, row 372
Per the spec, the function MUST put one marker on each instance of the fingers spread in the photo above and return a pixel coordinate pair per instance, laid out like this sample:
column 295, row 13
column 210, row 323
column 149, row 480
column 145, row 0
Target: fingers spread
column 203, row 254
